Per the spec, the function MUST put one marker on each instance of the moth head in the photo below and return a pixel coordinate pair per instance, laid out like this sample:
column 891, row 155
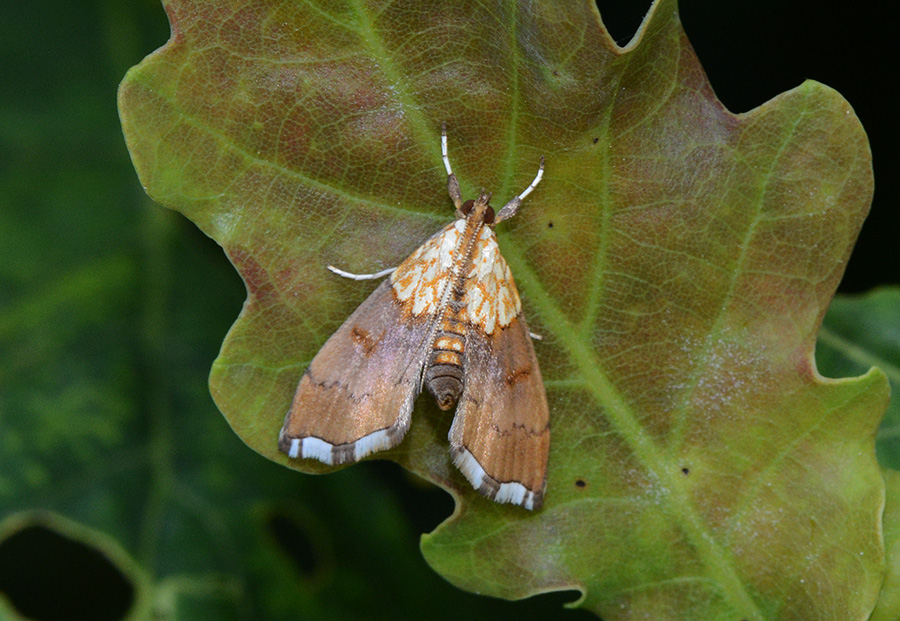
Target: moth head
column 478, row 208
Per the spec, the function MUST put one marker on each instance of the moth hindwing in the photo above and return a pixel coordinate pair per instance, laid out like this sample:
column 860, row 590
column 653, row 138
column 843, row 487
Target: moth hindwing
column 449, row 318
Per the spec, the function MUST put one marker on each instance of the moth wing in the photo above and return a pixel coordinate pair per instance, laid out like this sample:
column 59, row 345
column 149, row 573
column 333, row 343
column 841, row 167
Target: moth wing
column 500, row 437
column 357, row 394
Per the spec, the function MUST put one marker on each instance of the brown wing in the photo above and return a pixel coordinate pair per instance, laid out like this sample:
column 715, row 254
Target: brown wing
column 357, row 394
column 500, row 435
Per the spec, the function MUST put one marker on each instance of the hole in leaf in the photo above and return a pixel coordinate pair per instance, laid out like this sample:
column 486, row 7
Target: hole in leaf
column 686, row 471
column 580, row 483
column 425, row 505
column 296, row 542
column 46, row 575
column 622, row 19
column 595, row 140
column 549, row 225
column 543, row 606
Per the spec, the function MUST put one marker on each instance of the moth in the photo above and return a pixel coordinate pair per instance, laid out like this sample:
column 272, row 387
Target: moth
column 449, row 319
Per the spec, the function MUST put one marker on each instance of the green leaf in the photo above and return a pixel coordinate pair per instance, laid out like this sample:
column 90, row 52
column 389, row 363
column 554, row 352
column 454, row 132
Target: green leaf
column 888, row 608
column 678, row 260
column 860, row 332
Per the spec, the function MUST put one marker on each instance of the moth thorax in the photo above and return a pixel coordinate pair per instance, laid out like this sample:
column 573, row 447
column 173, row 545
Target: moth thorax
column 444, row 381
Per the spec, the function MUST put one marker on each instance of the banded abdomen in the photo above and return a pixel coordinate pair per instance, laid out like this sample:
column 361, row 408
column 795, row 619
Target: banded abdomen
column 444, row 368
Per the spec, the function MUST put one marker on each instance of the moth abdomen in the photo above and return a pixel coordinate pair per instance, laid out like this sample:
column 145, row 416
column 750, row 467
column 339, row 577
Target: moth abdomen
column 444, row 369
column 444, row 381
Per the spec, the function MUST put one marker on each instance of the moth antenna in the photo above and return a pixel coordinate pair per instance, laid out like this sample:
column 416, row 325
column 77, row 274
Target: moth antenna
column 444, row 154
column 353, row 276
column 510, row 208
column 537, row 180
column 452, row 183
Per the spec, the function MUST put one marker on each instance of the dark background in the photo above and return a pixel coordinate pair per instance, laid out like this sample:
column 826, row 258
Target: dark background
column 68, row 193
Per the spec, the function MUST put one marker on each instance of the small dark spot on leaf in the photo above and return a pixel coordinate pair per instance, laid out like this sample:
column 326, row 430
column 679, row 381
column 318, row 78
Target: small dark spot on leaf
column 294, row 541
column 580, row 483
column 550, row 225
column 686, row 470
column 555, row 72
column 596, row 140
column 47, row 575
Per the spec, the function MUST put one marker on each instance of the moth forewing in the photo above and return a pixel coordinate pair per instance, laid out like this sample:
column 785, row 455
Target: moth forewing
column 500, row 436
column 357, row 395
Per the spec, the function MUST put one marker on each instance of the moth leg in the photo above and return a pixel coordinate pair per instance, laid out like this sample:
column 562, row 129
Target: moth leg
column 352, row 276
column 510, row 208
column 452, row 183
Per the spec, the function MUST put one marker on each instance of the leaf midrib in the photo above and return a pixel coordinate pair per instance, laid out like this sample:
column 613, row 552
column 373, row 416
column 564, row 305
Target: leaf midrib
column 602, row 389
column 619, row 413
column 621, row 416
